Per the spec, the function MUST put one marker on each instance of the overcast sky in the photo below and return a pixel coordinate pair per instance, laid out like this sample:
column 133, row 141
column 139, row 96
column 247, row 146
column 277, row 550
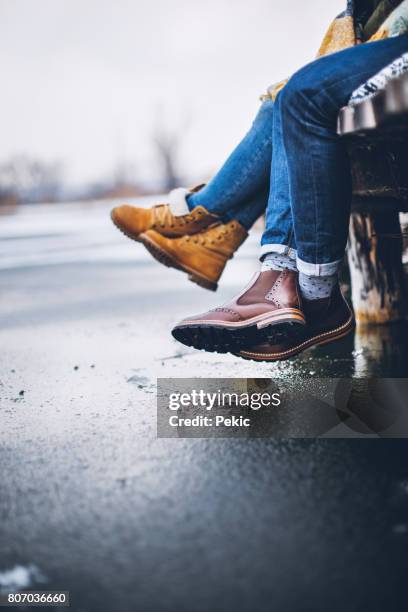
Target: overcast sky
column 85, row 81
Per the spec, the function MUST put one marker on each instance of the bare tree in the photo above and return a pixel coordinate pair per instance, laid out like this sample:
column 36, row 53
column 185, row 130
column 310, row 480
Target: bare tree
column 167, row 143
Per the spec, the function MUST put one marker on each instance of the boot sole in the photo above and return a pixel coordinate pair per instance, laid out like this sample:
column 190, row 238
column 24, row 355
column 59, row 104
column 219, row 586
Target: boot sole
column 232, row 337
column 164, row 258
column 171, row 262
column 325, row 338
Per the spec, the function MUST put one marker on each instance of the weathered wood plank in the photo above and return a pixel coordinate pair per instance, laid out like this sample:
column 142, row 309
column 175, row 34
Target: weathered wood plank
column 380, row 174
column 376, row 270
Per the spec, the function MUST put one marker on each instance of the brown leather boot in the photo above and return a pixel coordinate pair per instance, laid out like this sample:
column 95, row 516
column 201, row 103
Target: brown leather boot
column 268, row 307
column 133, row 221
column 202, row 256
column 327, row 320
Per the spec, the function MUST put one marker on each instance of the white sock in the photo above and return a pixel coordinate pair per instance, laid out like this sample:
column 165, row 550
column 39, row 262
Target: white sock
column 317, row 287
column 178, row 201
column 277, row 261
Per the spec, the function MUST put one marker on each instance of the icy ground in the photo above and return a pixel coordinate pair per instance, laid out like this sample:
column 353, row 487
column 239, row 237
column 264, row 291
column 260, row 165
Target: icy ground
column 90, row 497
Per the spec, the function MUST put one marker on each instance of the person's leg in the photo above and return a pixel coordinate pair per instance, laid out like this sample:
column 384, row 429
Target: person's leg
column 248, row 212
column 278, row 247
column 239, row 190
column 278, row 232
column 318, row 163
column 306, row 147
column 218, row 215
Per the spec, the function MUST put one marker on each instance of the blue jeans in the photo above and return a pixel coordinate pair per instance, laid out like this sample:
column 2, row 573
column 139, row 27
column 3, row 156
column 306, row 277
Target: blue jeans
column 310, row 179
column 316, row 159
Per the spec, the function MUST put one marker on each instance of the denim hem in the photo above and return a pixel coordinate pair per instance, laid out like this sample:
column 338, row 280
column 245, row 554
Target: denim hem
column 325, row 269
column 281, row 249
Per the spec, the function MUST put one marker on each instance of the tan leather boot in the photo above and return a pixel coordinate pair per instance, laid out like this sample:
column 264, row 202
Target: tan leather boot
column 202, row 256
column 133, row 221
column 268, row 309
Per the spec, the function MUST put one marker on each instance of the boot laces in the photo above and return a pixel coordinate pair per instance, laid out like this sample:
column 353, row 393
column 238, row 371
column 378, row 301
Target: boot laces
column 211, row 236
column 163, row 217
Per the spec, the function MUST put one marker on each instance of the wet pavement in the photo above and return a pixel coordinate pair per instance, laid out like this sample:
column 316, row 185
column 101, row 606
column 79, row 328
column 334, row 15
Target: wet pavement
column 92, row 502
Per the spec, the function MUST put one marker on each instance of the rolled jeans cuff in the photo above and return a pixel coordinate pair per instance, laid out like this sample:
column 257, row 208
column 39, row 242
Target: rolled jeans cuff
column 280, row 249
column 325, row 269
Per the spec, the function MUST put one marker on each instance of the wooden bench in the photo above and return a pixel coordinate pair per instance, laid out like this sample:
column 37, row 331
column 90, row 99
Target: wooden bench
column 376, row 132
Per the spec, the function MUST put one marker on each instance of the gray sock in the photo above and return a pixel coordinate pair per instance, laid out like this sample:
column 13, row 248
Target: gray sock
column 276, row 261
column 317, row 287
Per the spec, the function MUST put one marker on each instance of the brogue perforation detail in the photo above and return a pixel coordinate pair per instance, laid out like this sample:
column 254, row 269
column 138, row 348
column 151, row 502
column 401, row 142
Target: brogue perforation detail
column 270, row 296
column 227, row 310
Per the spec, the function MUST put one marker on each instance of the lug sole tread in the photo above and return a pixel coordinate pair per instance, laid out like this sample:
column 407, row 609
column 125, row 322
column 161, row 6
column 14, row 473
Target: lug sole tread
column 218, row 339
column 321, row 339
